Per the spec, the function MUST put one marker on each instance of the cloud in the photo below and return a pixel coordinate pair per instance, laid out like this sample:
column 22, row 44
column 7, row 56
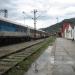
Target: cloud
column 48, row 10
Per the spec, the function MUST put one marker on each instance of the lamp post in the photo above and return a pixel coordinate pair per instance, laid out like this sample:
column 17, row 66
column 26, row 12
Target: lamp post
column 24, row 16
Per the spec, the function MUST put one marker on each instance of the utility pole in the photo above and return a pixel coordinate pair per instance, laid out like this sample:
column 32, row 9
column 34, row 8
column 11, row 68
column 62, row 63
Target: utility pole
column 5, row 11
column 24, row 17
column 57, row 19
column 35, row 18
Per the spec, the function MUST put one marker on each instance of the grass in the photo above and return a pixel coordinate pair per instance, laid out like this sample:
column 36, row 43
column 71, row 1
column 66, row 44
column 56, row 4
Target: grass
column 24, row 65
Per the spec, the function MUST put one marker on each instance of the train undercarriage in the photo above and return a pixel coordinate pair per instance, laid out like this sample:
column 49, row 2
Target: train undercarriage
column 13, row 40
column 6, row 40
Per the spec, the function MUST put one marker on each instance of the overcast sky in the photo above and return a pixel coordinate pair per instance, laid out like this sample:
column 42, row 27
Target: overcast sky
column 48, row 11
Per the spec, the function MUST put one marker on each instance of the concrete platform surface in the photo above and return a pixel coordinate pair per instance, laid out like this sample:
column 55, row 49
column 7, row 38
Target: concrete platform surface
column 42, row 65
column 64, row 61
column 56, row 60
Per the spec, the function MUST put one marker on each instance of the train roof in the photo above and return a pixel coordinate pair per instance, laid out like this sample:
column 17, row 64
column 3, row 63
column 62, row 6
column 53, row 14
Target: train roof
column 14, row 22
column 18, row 24
column 11, row 21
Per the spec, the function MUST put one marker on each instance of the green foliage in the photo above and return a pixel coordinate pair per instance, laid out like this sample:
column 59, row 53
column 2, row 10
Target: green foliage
column 56, row 27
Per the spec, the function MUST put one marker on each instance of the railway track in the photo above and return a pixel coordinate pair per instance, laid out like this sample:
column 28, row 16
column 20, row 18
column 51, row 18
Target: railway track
column 12, row 58
column 7, row 50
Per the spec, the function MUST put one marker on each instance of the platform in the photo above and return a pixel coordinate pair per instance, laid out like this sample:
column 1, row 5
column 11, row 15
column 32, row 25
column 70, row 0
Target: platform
column 60, row 60
column 64, row 57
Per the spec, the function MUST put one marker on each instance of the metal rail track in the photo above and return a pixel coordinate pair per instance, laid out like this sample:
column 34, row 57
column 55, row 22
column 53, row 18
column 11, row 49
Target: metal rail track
column 7, row 50
column 12, row 59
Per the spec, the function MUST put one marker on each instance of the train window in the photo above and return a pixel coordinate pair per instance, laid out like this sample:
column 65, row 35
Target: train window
column 5, row 26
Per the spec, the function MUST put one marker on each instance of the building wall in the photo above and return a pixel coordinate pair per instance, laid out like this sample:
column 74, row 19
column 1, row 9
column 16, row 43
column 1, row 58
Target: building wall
column 68, row 31
column 74, row 33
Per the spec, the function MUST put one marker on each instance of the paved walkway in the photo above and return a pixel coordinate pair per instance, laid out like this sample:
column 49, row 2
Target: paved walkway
column 58, row 61
column 64, row 57
column 42, row 65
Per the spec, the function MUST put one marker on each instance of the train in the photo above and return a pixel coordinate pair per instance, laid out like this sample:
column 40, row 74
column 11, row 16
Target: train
column 13, row 32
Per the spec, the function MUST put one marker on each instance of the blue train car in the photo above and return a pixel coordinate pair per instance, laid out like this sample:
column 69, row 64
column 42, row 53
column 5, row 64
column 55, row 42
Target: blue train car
column 12, row 32
column 6, row 26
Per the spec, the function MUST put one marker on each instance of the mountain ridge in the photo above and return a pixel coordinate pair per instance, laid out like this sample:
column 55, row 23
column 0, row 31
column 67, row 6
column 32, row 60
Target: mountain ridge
column 56, row 27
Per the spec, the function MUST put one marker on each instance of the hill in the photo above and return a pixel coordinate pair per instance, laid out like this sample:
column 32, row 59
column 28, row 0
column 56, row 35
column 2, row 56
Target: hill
column 56, row 27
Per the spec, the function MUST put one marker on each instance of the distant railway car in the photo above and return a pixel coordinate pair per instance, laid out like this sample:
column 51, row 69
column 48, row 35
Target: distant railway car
column 12, row 32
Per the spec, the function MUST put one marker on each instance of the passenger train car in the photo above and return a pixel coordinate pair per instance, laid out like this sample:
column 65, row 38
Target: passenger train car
column 12, row 32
